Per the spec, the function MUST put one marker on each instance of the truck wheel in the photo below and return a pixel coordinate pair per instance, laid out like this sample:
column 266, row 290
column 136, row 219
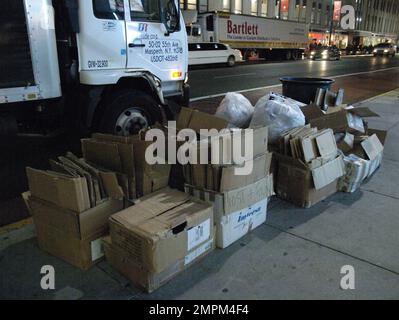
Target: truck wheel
column 231, row 61
column 128, row 112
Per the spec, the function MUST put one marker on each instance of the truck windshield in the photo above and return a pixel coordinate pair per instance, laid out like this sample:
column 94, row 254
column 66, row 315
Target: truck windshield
column 147, row 10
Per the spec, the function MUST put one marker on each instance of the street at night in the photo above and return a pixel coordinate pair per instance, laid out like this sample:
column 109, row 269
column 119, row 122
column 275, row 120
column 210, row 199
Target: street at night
column 199, row 151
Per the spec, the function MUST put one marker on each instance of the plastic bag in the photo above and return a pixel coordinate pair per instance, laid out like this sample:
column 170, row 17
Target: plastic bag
column 236, row 109
column 279, row 113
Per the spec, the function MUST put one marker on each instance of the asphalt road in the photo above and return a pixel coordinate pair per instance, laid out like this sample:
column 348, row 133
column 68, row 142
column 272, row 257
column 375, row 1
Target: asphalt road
column 213, row 80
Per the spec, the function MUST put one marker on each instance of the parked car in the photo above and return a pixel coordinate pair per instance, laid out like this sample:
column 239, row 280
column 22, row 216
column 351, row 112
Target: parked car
column 326, row 53
column 384, row 49
column 212, row 53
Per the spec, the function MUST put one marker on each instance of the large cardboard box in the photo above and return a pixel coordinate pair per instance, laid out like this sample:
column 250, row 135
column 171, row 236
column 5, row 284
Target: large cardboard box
column 71, row 236
column 162, row 228
column 119, row 259
column 296, row 182
column 237, row 212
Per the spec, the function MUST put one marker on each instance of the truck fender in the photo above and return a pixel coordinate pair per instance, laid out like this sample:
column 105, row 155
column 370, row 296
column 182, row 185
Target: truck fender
column 154, row 82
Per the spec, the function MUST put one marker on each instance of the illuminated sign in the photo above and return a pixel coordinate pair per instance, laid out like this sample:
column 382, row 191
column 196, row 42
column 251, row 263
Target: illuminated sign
column 284, row 6
column 337, row 10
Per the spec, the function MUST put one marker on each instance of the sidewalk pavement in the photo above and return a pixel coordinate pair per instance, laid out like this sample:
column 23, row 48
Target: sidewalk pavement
column 297, row 254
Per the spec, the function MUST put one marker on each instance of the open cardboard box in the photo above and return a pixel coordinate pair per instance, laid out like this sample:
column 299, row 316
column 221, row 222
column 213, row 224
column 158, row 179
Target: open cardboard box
column 239, row 211
column 296, row 182
column 162, row 229
column 72, row 236
column 126, row 155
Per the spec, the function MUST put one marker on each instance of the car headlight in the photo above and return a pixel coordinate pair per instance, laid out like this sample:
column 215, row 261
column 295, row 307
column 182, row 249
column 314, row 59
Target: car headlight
column 325, row 52
column 375, row 51
column 386, row 51
column 312, row 53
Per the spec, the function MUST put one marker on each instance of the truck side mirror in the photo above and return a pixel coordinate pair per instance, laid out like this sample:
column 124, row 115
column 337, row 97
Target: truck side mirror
column 170, row 15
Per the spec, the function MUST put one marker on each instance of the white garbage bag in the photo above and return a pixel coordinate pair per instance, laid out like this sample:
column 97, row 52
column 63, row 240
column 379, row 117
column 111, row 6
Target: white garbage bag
column 279, row 113
column 236, row 109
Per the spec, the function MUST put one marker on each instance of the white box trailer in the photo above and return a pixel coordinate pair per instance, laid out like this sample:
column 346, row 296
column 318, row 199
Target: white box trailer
column 254, row 35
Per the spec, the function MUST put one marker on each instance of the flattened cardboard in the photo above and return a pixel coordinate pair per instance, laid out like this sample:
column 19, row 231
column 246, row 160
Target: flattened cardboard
column 62, row 190
column 372, row 146
column 196, row 120
column 328, row 173
column 156, row 231
column 230, row 181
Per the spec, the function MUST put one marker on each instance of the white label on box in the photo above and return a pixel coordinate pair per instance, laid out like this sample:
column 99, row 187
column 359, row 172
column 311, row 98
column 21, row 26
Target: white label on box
column 199, row 234
column 97, row 250
column 198, row 252
column 236, row 225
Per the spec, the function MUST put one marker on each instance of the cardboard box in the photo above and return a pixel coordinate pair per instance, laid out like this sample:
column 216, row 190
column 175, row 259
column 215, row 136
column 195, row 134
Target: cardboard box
column 71, row 236
column 339, row 119
column 295, row 181
column 151, row 281
column 162, row 228
column 239, row 211
column 361, row 162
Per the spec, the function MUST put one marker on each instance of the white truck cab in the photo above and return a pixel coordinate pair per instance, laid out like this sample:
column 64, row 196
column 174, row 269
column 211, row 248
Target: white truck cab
column 119, row 63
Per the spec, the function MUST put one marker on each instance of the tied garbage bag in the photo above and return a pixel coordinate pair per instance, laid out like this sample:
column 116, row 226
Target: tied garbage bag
column 236, row 109
column 278, row 113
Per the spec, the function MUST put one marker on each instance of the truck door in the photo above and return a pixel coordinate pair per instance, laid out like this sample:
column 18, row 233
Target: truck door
column 101, row 40
column 150, row 47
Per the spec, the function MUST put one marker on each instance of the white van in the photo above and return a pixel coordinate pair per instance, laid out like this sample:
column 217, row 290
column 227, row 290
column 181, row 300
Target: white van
column 212, row 53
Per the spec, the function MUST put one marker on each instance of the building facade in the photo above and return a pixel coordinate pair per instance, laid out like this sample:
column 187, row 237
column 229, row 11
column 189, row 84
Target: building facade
column 376, row 20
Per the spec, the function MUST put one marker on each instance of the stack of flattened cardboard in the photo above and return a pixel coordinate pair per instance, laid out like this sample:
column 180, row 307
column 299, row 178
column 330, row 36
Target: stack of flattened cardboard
column 126, row 156
column 363, row 156
column 240, row 200
column 70, row 206
column 308, row 166
column 162, row 235
column 363, row 151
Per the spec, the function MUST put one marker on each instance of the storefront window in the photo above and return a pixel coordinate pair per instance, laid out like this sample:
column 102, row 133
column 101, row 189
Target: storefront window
column 226, row 5
column 264, row 8
column 238, row 6
column 254, row 7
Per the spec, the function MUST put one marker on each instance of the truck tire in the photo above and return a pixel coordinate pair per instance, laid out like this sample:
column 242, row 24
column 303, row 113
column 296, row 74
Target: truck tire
column 231, row 61
column 129, row 111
